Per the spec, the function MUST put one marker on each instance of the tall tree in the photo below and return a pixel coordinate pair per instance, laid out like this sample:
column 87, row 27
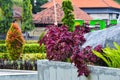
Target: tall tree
column 36, row 5
column 17, row 2
column 27, row 22
column 68, row 18
column 7, row 15
column 118, row 1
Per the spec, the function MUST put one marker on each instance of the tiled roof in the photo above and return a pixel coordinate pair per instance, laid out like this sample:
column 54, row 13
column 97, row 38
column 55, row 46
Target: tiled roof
column 88, row 3
column 47, row 15
column 17, row 12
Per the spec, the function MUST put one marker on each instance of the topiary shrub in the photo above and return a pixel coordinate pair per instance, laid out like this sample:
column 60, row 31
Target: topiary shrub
column 68, row 18
column 15, row 41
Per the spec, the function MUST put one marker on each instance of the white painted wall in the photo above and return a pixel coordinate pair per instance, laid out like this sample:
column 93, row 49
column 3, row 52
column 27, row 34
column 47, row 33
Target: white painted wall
column 103, row 16
column 99, row 16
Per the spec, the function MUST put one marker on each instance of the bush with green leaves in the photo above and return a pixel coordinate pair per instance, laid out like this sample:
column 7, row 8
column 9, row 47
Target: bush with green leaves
column 4, row 56
column 111, row 56
column 68, row 18
column 15, row 41
column 3, row 48
column 34, row 56
column 2, row 41
column 34, row 48
column 28, row 48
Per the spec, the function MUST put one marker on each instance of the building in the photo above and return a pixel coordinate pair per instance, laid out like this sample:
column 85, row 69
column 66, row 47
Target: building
column 17, row 14
column 97, row 9
column 47, row 16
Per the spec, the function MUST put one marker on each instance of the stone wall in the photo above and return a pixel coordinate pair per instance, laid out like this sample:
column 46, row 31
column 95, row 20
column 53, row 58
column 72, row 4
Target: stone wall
column 52, row 70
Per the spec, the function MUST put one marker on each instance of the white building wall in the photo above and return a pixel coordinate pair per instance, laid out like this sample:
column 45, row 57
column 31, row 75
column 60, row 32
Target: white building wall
column 103, row 16
column 99, row 16
column 114, row 16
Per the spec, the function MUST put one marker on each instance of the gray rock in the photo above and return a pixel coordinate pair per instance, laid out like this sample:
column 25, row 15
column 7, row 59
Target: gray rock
column 103, row 37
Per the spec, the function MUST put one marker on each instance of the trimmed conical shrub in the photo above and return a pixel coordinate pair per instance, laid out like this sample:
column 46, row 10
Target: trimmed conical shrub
column 15, row 41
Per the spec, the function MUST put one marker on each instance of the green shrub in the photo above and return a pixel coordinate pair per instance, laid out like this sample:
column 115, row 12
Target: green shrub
column 3, row 48
column 4, row 56
column 34, row 56
column 27, row 56
column 2, row 41
column 34, row 48
column 28, row 48
column 111, row 56
column 31, row 42
column 14, row 41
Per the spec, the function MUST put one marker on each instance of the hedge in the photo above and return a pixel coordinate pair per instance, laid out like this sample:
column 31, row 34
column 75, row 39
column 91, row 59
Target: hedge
column 27, row 42
column 29, row 48
column 3, row 48
column 27, row 56
column 34, row 48
column 2, row 41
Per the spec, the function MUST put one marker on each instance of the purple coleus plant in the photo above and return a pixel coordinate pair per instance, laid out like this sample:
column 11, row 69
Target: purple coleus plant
column 62, row 44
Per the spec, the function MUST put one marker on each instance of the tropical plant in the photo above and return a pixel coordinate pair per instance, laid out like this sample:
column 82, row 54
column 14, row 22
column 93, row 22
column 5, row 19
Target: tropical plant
column 62, row 45
column 27, row 22
column 7, row 15
column 111, row 56
column 68, row 18
column 15, row 41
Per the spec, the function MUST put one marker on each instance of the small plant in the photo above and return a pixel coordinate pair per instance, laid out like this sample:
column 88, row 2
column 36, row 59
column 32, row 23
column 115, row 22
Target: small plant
column 15, row 41
column 111, row 56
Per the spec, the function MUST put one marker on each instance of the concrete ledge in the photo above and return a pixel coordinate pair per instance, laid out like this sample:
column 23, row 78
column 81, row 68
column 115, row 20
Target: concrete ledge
column 54, row 70
column 6, row 74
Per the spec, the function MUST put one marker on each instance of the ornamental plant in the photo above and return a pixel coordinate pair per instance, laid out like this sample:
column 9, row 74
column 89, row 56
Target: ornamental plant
column 111, row 56
column 62, row 45
column 14, row 41
column 68, row 18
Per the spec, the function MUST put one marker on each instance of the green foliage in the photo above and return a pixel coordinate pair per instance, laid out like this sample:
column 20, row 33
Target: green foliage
column 28, row 48
column 17, row 2
column 36, row 6
column 34, row 48
column 3, row 48
column 7, row 15
column 1, row 14
column 27, row 22
column 15, row 41
column 68, row 18
column 111, row 56
column 4, row 56
column 2, row 41
column 33, row 57
column 31, row 42
column 28, row 56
